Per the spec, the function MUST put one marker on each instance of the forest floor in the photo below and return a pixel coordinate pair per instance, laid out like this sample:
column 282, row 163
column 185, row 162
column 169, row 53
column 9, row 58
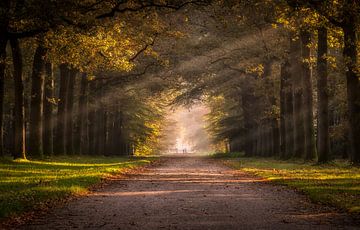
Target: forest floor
column 33, row 185
column 192, row 193
column 336, row 183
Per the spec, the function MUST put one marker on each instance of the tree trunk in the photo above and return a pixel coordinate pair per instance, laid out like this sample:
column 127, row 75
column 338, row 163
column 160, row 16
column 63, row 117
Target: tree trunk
column 69, row 111
column 258, row 142
column 36, row 110
column 92, row 120
column 353, row 86
column 100, row 123
column 105, row 130
column 119, row 138
column 323, row 140
column 4, row 23
column 248, row 101
column 59, row 146
column 289, row 112
column 310, row 151
column 83, row 116
column 19, row 101
column 264, row 140
column 275, row 137
column 48, row 110
column 10, row 138
column 110, row 133
column 3, row 43
column 283, row 112
column 297, row 87
column 272, row 122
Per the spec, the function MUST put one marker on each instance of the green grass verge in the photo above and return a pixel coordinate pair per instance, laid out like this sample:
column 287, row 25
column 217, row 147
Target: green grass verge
column 25, row 185
column 336, row 183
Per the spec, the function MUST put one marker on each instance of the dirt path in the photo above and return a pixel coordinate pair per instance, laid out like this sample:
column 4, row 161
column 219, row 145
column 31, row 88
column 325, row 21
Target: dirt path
column 192, row 193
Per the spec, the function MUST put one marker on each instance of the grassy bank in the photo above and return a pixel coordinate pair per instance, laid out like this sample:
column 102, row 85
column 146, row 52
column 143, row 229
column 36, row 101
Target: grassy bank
column 337, row 183
column 28, row 184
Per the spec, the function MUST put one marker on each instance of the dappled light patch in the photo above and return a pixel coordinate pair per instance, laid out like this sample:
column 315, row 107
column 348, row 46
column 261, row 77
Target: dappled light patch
column 336, row 184
column 26, row 184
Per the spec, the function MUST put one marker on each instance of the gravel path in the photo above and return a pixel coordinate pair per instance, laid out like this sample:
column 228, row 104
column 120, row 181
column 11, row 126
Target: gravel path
column 192, row 193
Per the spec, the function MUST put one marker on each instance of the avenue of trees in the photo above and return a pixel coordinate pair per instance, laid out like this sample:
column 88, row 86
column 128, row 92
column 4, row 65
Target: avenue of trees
column 61, row 62
column 281, row 78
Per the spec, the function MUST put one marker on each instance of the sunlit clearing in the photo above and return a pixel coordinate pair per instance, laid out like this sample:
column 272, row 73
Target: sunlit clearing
column 187, row 127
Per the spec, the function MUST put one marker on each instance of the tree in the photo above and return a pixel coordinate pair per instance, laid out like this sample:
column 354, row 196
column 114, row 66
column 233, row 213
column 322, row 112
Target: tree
column 297, row 89
column 309, row 151
column 344, row 14
column 19, row 151
column 323, row 142
column 83, row 116
column 69, row 117
column 37, row 97
column 3, row 42
column 60, row 144
column 48, row 104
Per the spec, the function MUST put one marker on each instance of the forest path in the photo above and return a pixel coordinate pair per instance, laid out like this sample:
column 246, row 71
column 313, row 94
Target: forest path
column 192, row 193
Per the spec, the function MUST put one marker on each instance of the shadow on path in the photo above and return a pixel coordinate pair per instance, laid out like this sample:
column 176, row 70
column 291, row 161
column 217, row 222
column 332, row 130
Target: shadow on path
column 192, row 193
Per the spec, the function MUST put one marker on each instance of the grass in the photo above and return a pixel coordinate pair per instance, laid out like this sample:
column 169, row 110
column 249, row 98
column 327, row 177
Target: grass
column 336, row 184
column 25, row 185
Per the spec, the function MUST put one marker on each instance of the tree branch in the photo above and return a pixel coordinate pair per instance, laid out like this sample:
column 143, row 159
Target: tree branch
column 116, row 8
column 143, row 49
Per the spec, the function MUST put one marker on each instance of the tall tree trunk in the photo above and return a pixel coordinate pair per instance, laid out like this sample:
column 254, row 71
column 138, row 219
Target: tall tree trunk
column 19, row 101
column 297, row 87
column 69, row 111
column 92, row 120
column 105, row 130
column 110, row 133
column 120, row 134
column 10, row 138
column 275, row 137
column 271, row 151
column 353, row 85
column 116, row 138
column 263, row 140
column 248, row 101
column 36, row 109
column 48, row 124
column 60, row 143
column 4, row 23
column 3, row 43
column 258, row 142
column 289, row 112
column 310, row 151
column 283, row 112
column 100, row 123
column 323, row 140
column 83, row 116
column 274, row 133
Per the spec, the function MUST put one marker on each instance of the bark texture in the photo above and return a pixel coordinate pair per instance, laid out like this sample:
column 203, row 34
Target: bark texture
column 3, row 42
column 19, row 111
column 309, row 151
column 297, row 87
column 48, row 125
column 323, row 140
column 60, row 143
column 36, row 101
column 353, row 86
column 69, row 111
column 83, row 116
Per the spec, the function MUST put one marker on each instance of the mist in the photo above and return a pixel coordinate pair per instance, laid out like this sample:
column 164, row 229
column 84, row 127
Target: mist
column 186, row 128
